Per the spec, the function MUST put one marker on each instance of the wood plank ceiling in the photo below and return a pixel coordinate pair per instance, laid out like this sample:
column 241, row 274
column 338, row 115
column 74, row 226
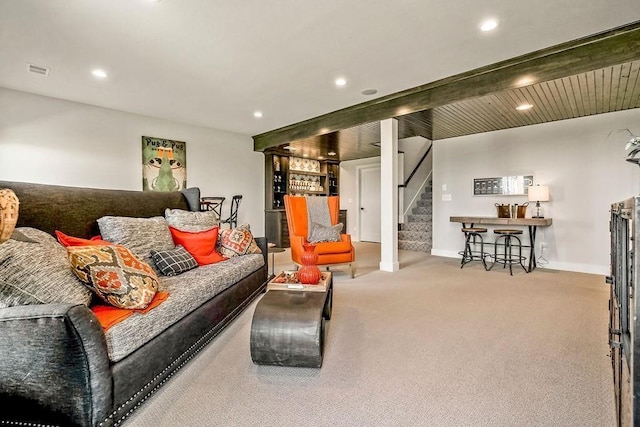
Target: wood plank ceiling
column 612, row 83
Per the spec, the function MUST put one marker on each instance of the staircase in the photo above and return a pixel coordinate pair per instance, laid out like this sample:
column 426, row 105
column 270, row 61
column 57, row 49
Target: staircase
column 415, row 233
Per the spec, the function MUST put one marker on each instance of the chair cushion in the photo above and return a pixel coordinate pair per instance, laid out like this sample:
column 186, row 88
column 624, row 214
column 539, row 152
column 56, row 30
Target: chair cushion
column 323, row 248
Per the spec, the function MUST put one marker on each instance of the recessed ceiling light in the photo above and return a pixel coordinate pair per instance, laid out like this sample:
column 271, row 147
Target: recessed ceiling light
column 101, row 74
column 288, row 147
column 369, row 92
column 331, row 153
column 257, row 114
column 488, row 25
column 341, row 82
column 305, row 155
column 320, row 157
column 523, row 107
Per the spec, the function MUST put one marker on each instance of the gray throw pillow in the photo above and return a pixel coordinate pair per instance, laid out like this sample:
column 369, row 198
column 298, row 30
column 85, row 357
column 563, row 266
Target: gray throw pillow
column 174, row 261
column 320, row 233
column 193, row 222
column 139, row 235
column 37, row 273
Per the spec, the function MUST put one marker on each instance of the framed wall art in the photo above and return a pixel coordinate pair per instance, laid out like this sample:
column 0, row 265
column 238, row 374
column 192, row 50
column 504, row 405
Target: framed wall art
column 164, row 164
column 502, row 185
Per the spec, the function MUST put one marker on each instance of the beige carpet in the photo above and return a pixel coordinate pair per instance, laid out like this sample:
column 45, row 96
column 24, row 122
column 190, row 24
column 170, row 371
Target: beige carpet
column 430, row 345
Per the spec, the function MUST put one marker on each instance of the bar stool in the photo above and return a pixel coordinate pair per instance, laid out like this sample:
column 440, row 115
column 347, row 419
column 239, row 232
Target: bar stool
column 508, row 257
column 468, row 255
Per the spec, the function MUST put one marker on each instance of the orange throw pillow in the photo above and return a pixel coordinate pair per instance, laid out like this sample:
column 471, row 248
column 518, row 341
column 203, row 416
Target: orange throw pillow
column 66, row 240
column 201, row 245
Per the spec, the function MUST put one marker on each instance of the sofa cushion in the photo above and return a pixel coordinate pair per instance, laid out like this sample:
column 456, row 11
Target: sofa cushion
column 140, row 235
column 37, row 273
column 174, row 261
column 321, row 233
column 115, row 274
column 188, row 291
column 237, row 241
column 202, row 245
column 191, row 221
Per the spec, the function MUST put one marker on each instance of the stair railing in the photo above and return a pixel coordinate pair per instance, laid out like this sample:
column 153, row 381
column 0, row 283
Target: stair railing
column 401, row 187
column 413, row 172
column 418, row 194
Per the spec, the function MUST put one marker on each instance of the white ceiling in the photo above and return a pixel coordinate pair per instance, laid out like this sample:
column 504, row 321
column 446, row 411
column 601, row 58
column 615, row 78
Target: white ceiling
column 213, row 63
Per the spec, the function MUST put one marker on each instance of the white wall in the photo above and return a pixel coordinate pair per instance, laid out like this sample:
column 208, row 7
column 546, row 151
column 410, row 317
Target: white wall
column 51, row 141
column 584, row 167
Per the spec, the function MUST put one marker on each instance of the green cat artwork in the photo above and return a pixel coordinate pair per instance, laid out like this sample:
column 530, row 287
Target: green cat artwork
column 164, row 164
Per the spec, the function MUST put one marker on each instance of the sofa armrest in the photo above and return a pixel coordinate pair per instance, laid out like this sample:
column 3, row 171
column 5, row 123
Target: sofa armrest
column 54, row 367
column 262, row 244
column 345, row 238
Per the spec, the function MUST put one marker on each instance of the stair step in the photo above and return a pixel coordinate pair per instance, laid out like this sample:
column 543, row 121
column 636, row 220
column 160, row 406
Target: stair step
column 423, row 203
column 419, row 218
column 422, row 210
column 413, row 245
column 416, row 226
column 424, row 236
column 426, row 195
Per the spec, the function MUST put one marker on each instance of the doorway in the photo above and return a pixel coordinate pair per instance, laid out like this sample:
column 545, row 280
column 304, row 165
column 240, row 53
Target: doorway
column 369, row 204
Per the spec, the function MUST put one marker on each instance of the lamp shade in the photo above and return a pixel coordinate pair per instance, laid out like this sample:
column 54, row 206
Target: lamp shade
column 539, row 193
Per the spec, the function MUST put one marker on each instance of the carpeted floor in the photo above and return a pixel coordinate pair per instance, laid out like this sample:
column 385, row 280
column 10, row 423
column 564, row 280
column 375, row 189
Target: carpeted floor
column 430, row 345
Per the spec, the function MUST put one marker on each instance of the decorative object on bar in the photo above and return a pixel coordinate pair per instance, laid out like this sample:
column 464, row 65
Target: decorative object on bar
column 634, row 144
column 504, row 211
column 8, row 213
column 309, row 274
column 538, row 193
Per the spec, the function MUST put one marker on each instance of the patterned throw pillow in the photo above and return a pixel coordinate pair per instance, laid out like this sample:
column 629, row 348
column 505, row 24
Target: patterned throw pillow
column 320, row 233
column 237, row 241
column 174, row 261
column 193, row 222
column 115, row 274
column 37, row 273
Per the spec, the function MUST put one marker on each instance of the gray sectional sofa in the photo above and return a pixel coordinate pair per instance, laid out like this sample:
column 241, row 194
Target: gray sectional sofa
column 57, row 364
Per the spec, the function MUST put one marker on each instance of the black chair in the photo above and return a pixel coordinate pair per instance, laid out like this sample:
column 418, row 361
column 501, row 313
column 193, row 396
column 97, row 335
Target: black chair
column 471, row 234
column 212, row 204
column 233, row 212
column 508, row 257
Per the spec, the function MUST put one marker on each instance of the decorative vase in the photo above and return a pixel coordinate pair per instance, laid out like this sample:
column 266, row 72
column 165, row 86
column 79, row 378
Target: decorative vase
column 8, row 213
column 309, row 274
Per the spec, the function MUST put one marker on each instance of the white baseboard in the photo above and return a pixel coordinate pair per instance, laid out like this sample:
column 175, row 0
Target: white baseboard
column 552, row 265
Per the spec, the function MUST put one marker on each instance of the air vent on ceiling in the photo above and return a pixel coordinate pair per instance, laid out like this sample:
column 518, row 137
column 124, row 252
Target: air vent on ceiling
column 38, row 69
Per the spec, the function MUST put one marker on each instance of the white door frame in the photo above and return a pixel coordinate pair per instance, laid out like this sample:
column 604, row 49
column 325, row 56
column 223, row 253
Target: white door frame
column 359, row 170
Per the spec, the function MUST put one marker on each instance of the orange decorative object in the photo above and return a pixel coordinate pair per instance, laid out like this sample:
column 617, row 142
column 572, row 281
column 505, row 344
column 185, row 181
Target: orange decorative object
column 329, row 253
column 8, row 213
column 309, row 274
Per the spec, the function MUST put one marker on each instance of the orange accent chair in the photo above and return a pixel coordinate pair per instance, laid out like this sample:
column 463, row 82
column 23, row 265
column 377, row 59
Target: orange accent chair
column 329, row 253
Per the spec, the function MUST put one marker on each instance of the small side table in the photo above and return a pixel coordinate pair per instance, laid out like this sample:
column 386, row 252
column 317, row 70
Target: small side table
column 273, row 250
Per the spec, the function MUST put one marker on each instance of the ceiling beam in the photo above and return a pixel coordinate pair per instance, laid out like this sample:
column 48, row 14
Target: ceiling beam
column 604, row 49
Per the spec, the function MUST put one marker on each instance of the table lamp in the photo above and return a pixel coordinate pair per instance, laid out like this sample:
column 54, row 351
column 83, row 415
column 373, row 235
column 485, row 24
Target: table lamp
column 538, row 193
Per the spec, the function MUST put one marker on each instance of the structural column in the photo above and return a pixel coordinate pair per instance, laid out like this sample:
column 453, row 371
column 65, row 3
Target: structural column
column 389, row 195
